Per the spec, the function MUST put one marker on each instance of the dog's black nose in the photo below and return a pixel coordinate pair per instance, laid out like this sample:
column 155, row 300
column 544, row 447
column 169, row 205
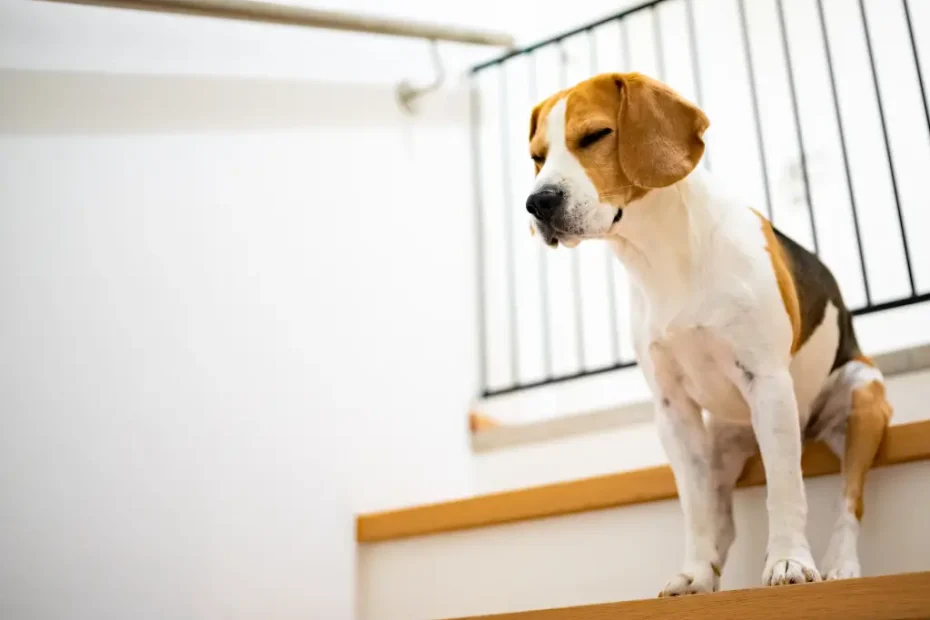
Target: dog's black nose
column 543, row 202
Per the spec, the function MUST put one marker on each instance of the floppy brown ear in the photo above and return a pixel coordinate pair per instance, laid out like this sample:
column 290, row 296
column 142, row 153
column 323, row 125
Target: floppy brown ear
column 660, row 132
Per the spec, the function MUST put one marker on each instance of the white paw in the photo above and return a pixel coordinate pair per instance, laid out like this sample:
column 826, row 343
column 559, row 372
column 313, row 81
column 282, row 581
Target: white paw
column 796, row 568
column 696, row 580
column 847, row 570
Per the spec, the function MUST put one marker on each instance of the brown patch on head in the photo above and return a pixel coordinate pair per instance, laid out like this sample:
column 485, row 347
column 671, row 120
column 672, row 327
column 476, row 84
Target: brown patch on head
column 650, row 136
column 869, row 415
column 539, row 138
column 785, row 280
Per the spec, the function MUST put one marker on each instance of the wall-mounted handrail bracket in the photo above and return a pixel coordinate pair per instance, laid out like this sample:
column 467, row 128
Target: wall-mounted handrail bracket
column 407, row 93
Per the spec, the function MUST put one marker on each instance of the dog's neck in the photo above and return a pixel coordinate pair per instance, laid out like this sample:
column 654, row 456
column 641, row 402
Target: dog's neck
column 663, row 237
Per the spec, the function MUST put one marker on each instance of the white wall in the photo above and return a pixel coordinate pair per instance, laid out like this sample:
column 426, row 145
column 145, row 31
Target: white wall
column 237, row 305
column 200, row 327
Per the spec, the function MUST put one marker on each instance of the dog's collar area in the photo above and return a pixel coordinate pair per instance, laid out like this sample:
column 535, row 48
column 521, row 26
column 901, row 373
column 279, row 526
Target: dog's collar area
column 618, row 216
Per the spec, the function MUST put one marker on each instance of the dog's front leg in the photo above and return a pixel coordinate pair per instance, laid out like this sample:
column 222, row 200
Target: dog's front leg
column 687, row 445
column 770, row 394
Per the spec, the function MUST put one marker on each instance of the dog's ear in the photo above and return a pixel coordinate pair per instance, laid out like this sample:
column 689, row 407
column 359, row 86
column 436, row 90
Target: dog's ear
column 660, row 132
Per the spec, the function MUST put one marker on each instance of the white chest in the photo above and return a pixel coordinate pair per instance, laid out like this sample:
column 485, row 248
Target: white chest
column 693, row 364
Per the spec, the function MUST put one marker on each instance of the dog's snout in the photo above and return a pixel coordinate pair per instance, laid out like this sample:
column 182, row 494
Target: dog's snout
column 543, row 202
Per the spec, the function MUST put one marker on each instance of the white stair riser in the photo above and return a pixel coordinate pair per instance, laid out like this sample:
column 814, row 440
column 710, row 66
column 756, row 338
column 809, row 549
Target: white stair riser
column 621, row 554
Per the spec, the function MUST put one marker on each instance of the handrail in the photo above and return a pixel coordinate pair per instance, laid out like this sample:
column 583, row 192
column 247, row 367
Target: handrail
column 267, row 12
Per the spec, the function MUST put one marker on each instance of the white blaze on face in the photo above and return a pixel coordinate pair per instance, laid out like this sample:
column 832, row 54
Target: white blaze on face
column 562, row 169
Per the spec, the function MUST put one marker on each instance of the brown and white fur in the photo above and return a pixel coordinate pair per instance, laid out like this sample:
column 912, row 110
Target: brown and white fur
column 741, row 333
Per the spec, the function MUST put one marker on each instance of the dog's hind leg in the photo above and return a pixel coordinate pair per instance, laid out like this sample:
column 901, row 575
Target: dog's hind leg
column 851, row 420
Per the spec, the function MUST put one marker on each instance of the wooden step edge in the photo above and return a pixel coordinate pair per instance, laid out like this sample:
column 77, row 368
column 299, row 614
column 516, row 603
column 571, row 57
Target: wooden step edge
column 893, row 597
column 902, row 444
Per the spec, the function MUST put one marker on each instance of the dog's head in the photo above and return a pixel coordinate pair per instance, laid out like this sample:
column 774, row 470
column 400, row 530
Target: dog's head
column 603, row 144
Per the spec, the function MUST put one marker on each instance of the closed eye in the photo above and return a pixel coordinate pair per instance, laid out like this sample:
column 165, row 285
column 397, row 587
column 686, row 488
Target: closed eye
column 590, row 138
column 539, row 159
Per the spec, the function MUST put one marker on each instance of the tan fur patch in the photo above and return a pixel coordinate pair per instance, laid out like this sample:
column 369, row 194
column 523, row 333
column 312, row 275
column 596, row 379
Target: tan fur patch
column 539, row 134
column 786, row 286
column 868, row 419
column 865, row 359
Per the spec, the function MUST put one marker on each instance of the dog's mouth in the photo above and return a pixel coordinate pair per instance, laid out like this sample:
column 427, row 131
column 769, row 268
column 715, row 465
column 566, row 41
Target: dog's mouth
column 554, row 239
column 552, row 236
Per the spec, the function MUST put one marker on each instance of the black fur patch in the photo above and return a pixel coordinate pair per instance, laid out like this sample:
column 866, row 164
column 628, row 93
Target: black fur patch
column 816, row 286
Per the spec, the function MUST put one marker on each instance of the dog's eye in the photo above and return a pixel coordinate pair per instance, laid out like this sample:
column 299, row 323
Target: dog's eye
column 590, row 138
column 539, row 159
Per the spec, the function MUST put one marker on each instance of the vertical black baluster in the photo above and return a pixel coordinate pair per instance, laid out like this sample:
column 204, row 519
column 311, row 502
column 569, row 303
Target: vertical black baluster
column 696, row 69
column 608, row 255
column 917, row 67
column 657, row 42
column 754, row 96
column 842, row 133
column 625, row 46
column 506, row 167
column 543, row 258
column 475, row 122
column 881, row 117
column 576, row 264
column 797, row 122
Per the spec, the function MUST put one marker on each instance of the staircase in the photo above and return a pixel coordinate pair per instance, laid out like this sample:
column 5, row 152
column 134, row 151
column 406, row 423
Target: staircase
column 600, row 546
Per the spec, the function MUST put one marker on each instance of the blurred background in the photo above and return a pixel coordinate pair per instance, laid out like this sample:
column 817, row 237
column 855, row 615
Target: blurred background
column 247, row 295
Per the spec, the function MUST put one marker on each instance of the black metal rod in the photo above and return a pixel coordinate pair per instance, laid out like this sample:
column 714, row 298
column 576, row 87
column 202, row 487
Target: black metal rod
column 891, row 305
column 575, row 260
column 608, row 255
column 625, row 45
column 797, row 122
column 696, row 69
column 511, row 282
column 917, row 67
column 564, row 35
column 754, row 97
column 474, row 112
column 657, row 42
column 560, row 379
column 839, row 125
column 881, row 118
column 543, row 254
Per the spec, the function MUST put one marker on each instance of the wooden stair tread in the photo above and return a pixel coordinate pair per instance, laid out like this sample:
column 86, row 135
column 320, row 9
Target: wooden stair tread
column 893, row 597
column 903, row 443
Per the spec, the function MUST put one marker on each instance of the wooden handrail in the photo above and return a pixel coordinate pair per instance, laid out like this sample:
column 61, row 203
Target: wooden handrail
column 894, row 597
column 903, row 443
column 267, row 12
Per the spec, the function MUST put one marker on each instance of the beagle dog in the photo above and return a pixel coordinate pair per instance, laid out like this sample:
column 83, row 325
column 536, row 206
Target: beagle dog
column 742, row 334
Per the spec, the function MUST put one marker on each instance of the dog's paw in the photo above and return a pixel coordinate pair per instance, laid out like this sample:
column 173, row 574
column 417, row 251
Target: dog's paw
column 847, row 570
column 796, row 568
column 695, row 580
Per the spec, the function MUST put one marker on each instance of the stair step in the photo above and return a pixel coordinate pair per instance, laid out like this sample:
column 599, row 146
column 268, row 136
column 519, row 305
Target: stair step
column 893, row 597
column 903, row 443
